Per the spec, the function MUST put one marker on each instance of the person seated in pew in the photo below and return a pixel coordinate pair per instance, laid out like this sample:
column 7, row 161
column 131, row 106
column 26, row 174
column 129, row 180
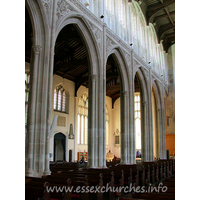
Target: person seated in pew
column 115, row 158
column 82, row 160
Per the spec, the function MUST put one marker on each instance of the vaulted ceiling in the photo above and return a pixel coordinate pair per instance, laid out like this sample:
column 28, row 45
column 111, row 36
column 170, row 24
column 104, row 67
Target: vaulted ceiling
column 161, row 13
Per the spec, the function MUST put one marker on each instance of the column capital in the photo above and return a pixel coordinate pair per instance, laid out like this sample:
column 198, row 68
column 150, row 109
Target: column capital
column 36, row 49
column 125, row 93
column 93, row 77
column 144, row 103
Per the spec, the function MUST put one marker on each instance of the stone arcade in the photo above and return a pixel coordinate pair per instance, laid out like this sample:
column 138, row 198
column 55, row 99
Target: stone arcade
column 86, row 61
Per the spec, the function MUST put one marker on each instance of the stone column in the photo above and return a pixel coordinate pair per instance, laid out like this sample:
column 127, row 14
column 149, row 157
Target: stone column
column 131, row 140
column 49, row 91
column 32, row 106
column 150, row 116
column 127, row 126
column 164, row 154
column 75, row 126
column 91, row 121
column 97, row 138
column 103, row 111
column 159, row 134
column 66, row 148
column 47, row 169
column 132, row 126
column 132, row 112
column 124, row 119
column 48, row 131
column 144, row 133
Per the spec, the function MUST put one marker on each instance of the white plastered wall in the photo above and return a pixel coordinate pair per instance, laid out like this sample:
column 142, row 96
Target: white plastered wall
column 117, row 125
column 70, row 87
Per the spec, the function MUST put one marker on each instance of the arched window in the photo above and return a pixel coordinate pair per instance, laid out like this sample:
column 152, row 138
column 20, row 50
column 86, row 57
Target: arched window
column 122, row 20
column 122, row 12
column 137, row 121
column 110, row 13
column 82, row 121
column 27, row 81
column 110, row 6
column 107, row 126
column 133, row 23
column 60, row 99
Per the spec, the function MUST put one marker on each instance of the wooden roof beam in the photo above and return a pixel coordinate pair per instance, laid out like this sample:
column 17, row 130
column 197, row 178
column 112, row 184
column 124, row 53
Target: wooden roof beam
column 169, row 16
column 113, row 87
column 71, row 65
column 169, row 35
column 64, row 53
column 163, row 29
column 163, row 16
column 154, row 8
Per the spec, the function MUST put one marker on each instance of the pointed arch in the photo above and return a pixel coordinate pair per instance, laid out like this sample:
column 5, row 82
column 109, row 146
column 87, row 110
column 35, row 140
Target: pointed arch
column 157, row 94
column 95, row 62
column 88, row 37
column 144, row 113
column 39, row 25
column 39, row 81
column 156, row 119
column 159, row 119
column 124, row 74
column 122, row 67
column 142, row 79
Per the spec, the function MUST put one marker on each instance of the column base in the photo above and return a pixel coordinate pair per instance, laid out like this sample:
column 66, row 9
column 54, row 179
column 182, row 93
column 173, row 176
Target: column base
column 47, row 172
column 29, row 172
column 32, row 173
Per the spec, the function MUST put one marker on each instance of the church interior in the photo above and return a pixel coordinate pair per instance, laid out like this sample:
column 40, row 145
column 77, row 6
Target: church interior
column 99, row 97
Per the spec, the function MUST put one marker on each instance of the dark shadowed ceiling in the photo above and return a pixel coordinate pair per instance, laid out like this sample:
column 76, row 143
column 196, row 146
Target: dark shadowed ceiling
column 161, row 13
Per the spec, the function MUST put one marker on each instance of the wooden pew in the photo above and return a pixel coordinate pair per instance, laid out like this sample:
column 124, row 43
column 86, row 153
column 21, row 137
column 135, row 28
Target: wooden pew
column 143, row 173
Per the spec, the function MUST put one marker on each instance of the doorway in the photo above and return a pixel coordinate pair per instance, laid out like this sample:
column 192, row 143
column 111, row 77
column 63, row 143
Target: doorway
column 59, row 146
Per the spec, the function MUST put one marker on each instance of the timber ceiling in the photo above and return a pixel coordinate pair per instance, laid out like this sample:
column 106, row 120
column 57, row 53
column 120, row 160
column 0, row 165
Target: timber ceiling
column 162, row 14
